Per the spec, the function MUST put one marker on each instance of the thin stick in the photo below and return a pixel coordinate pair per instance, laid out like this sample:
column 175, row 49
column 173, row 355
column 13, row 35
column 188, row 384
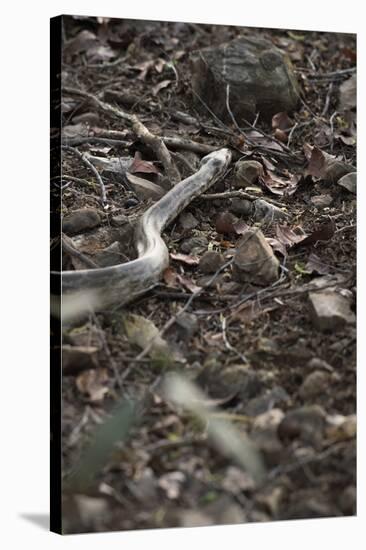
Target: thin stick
column 87, row 163
column 155, row 142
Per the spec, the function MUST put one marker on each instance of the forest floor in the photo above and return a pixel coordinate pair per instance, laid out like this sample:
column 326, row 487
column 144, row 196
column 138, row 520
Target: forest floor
column 256, row 351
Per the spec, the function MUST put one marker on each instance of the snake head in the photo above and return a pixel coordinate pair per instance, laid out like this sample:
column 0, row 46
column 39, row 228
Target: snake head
column 220, row 158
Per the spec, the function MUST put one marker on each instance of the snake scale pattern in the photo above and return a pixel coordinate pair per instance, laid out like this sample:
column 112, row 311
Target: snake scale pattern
column 119, row 284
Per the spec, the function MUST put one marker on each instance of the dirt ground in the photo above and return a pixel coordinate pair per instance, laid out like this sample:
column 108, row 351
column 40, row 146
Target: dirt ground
column 255, row 350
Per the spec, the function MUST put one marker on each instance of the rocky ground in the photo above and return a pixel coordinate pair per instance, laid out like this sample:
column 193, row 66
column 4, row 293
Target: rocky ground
column 273, row 348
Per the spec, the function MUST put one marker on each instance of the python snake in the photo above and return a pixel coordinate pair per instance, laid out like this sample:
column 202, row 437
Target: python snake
column 119, row 284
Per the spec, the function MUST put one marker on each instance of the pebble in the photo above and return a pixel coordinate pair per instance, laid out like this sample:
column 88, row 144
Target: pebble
column 315, row 383
column 254, row 260
column 211, row 261
column 349, row 182
column 264, row 211
column 188, row 221
column 80, row 220
column 305, row 423
column 241, row 207
column 330, row 310
column 194, row 245
column 246, row 172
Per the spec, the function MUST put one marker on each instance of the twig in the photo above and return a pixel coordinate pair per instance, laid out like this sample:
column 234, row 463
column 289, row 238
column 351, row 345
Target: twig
column 237, row 194
column 155, row 142
column 327, row 100
column 69, row 247
column 174, row 318
column 87, row 163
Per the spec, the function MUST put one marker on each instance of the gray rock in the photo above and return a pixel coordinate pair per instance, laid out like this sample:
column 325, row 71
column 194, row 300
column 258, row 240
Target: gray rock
column 80, row 220
column 318, row 364
column 242, row 207
column 260, row 77
column 254, row 260
column 306, row 423
column 194, row 245
column 188, row 221
column 266, row 402
column 330, row 310
column 247, row 172
column 110, row 256
column 349, row 182
column 145, row 189
column 211, row 261
column 188, row 323
column 315, row 383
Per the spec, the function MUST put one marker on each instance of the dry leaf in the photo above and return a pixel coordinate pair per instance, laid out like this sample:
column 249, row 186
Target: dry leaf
column 281, row 121
column 92, row 384
column 227, row 223
column 156, row 89
column 185, row 258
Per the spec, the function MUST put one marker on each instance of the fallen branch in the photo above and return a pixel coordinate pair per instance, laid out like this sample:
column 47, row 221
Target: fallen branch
column 155, row 142
column 91, row 167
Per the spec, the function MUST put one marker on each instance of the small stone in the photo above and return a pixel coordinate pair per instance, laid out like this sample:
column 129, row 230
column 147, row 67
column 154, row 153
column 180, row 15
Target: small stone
column 317, row 364
column 264, row 211
column 247, row 172
column 264, row 403
column 144, row 188
column 80, row 220
column 315, row 383
column 254, row 260
column 188, row 221
column 322, row 201
column 305, row 423
column 330, row 310
column 109, row 256
column 211, row 261
column 119, row 220
column 188, row 323
column 194, row 245
column 349, row 182
column 131, row 202
column 241, row 207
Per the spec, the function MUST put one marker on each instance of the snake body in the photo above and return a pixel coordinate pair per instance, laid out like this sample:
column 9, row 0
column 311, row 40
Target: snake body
column 119, row 284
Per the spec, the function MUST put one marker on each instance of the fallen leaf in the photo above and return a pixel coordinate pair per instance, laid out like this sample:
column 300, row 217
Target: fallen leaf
column 277, row 246
column 185, row 258
column 281, row 121
column 170, row 277
column 278, row 185
column 315, row 265
column 188, row 284
column 228, row 224
column 142, row 333
column 142, row 166
column 92, row 384
column 324, row 166
column 287, row 236
column 322, row 233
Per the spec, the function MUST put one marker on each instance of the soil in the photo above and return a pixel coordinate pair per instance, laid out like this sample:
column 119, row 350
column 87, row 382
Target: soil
column 254, row 350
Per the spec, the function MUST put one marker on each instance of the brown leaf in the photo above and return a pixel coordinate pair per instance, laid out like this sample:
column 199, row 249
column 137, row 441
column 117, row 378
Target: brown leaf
column 277, row 246
column 278, row 185
column 322, row 233
column 280, row 135
column 92, row 384
column 315, row 265
column 325, row 166
column 287, row 236
column 228, row 224
column 281, row 121
column 142, row 166
column 185, row 258
column 188, row 283
column 170, row 277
